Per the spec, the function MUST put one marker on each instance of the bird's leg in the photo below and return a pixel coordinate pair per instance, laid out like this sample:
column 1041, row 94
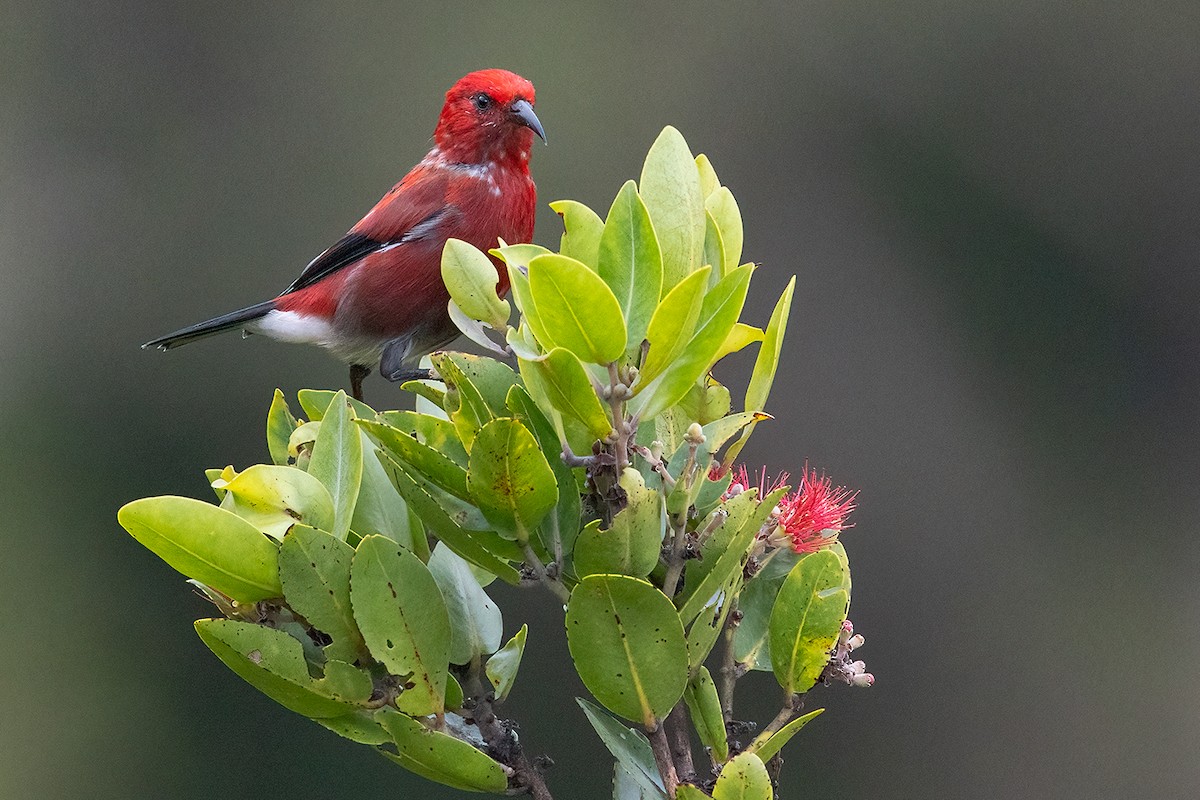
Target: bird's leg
column 357, row 373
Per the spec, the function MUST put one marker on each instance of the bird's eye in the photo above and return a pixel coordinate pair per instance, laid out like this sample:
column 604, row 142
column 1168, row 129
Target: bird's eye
column 482, row 102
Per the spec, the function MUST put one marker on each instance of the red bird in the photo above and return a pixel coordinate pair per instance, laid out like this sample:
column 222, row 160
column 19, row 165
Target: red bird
column 377, row 296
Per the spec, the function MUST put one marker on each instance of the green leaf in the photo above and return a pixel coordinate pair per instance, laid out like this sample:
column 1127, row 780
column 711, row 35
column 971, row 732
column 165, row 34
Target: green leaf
column 751, row 642
column 686, row 791
column 477, row 622
column 315, row 403
column 718, row 315
column 465, row 404
column 765, row 366
column 716, row 434
column 670, row 187
column 518, row 255
column 380, row 508
column 628, row 646
column 721, row 554
column 440, row 757
column 314, row 569
column 767, row 746
column 768, row 355
column 474, row 330
column 471, row 278
column 724, row 211
column 577, row 309
column 806, row 620
column 630, row 262
column 563, row 525
column 431, row 431
column 280, row 424
column 704, row 631
column 632, row 543
column 358, row 727
column 403, row 620
column 672, row 325
column 628, row 746
column 337, row 461
column 212, row 545
column 490, row 378
column 713, row 253
column 518, row 279
column 582, row 229
column 627, row 787
column 432, row 464
column 744, row 777
column 704, row 706
column 503, row 665
column 509, row 477
column 570, row 390
column 273, row 662
column 485, row 549
column 709, row 182
column 454, row 693
column 274, row 499
column 741, row 337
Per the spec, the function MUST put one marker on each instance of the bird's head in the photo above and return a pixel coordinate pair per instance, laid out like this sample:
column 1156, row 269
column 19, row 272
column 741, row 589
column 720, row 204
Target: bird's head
column 488, row 117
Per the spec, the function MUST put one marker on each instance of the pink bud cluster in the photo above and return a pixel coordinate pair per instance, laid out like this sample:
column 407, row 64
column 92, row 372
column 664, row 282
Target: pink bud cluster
column 840, row 667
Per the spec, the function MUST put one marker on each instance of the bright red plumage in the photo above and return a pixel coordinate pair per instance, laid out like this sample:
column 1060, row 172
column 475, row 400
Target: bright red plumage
column 378, row 292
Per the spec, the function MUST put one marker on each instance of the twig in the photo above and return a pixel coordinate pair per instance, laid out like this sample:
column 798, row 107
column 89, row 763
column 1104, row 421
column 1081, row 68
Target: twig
column 553, row 584
column 501, row 741
column 675, row 560
column 616, row 400
column 782, row 718
column 728, row 669
column 681, row 743
column 662, row 757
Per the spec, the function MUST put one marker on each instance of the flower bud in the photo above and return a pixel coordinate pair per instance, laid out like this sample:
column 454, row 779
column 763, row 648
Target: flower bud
column 695, row 434
column 858, row 667
column 863, row 681
column 856, row 641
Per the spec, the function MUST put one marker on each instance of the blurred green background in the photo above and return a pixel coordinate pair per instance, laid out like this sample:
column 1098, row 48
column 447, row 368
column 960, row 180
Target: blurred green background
column 992, row 210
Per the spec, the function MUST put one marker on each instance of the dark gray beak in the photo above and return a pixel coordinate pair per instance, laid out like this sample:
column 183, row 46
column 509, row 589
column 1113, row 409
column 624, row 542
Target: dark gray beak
column 523, row 111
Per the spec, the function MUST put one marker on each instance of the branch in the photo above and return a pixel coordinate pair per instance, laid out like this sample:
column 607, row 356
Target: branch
column 617, row 393
column 535, row 563
column 681, row 743
column 782, row 718
column 662, row 757
column 728, row 669
column 675, row 560
column 500, row 739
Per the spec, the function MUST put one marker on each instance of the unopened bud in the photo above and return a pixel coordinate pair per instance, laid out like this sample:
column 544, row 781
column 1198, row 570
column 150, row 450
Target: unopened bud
column 856, row 641
column 858, row 667
column 863, row 681
column 620, row 391
column 695, row 434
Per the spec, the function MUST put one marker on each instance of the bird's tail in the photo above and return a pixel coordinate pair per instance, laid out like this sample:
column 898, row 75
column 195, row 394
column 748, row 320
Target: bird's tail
column 200, row 330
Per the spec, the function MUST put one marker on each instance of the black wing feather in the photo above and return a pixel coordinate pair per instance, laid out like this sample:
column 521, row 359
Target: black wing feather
column 347, row 250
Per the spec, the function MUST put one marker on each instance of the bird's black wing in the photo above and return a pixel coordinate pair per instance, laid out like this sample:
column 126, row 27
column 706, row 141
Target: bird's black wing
column 354, row 247
column 349, row 249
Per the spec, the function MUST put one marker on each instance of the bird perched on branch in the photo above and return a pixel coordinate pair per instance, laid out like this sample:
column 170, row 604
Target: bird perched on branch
column 376, row 297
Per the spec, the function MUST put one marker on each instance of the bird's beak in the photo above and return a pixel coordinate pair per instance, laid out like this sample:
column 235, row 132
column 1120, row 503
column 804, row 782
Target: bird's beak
column 523, row 112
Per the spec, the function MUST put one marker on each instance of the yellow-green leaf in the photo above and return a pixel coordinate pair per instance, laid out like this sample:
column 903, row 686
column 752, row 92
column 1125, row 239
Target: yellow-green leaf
column 577, row 309
column 670, row 187
column 211, row 545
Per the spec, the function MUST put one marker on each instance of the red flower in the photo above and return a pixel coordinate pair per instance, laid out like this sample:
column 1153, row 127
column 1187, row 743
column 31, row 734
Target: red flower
column 815, row 512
